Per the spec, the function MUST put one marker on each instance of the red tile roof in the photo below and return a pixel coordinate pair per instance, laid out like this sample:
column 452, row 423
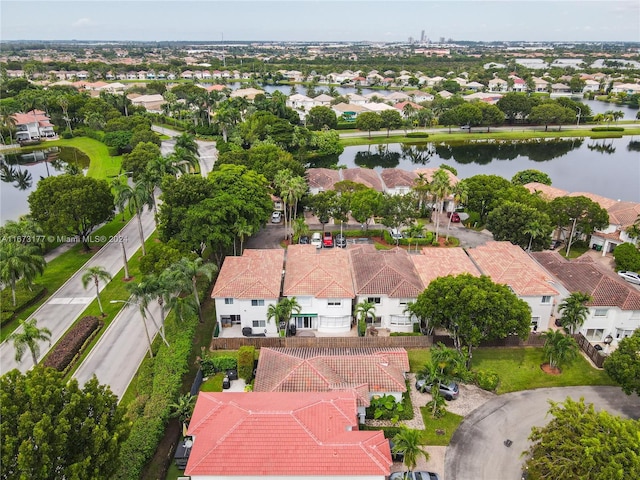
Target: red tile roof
column 545, row 191
column 510, row 265
column 604, row 202
column 321, row 370
column 322, row 179
column 300, row 434
column 607, row 289
column 256, row 274
column 428, row 174
column 365, row 176
column 440, row 262
column 623, row 213
column 396, row 177
column 384, row 272
column 320, row 273
column 31, row 117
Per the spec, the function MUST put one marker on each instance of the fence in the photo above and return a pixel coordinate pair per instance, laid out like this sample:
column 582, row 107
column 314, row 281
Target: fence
column 322, row 342
column 596, row 356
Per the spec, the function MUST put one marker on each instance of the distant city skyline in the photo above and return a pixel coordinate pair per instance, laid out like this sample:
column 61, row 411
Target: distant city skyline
column 321, row 20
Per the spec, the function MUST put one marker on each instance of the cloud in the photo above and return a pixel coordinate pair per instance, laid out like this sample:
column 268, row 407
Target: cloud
column 84, row 22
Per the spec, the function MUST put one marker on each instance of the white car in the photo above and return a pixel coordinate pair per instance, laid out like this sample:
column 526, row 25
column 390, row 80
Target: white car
column 395, row 234
column 631, row 277
column 316, row 240
column 276, row 217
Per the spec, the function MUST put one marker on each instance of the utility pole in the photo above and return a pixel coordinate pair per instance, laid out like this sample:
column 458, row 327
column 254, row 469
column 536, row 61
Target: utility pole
column 571, row 236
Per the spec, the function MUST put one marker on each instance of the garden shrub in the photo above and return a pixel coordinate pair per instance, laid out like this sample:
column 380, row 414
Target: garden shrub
column 363, row 233
column 416, row 328
column 245, row 362
column 417, row 135
column 487, row 380
column 427, row 240
column 607, row 129
column 67, row 134
column 627, row 257
column 362, row 328
column 24, row 299
column 211, row 365
column 71, row 344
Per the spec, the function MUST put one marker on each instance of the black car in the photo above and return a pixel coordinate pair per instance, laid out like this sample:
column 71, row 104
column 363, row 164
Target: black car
column 341, row 241
column 304, row 240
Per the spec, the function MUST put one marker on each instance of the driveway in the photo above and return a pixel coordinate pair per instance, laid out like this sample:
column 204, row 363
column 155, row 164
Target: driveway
column 477, row 450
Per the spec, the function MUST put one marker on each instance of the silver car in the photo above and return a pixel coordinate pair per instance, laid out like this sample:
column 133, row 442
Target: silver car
column 449, row 391
column 631, row 277
column 414, row 476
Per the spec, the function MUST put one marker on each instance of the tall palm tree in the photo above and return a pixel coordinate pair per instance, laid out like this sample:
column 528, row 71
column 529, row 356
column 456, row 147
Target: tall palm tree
column 441, row 188
column 242, row 229
column 363, row 311
column 300, row 228
column 634, row 229
column 7, row 120
column 559, row 348
column 18, row 261
column 422, row 188
column 574, row 310
column 96, row 274
column 188, row 142
column 141, row 295
column 26, row 337
column 534, row 230
column 282, row 182
column 187, row 272
column 276, row 312
column 411, row 443
column 290, row 306
column 138, row 197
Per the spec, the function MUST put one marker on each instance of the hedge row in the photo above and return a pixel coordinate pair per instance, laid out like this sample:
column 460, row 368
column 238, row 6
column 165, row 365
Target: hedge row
column 607, row 129
column 417, row 135
column 427, row 240
column 214, row 365
column 245, row 362
column 24, row 299
column 71, row 344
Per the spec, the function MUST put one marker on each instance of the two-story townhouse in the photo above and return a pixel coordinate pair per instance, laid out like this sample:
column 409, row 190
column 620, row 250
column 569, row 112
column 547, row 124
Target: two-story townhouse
column 322, row 100
column 498, row 85
column 245, row 288
column 621, row 216
column 614, row 308
column 398, row 181
column 397, row 97
column 320, row 280
column 389, row 281
column 300, row 102
column 418, row 96
column 33, row 125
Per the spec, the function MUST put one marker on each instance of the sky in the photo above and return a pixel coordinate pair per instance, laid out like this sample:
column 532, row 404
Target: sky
column 320, row 20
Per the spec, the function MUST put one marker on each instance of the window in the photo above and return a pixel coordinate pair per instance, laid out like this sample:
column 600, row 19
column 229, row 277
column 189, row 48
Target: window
column 374, row 300
column 228, row 301
column 259, row 323
column 535, row 321
column 623, row 333
column 334, row 322
column 334, row 303
column 376, row 322
column 600, row 312
column 305, row 322
column 257, row 303
column 404, row 301
column 594, row 334
column 401, row 320
column 546, row 299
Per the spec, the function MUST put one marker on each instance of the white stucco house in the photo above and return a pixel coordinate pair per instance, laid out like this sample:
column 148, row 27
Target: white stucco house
column 245, row 287
column 33, row 125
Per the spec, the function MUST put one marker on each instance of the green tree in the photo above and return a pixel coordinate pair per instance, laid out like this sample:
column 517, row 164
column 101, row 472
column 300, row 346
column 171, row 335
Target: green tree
column 137, row 196
column 327, row 142
column 398, row 210
column 51, row 428
column 627, row 257
column 559, row 348
column 492, row 116
column 71, row 205
column 136, row 162
column 574, row 311
column 323, row 204
column 473, row 309
column 527, row 176
column 187, row 274
column 521, row 225
column 484, row 191
column 441, row 188
column 516, row 106
column 390, row 119
column 188, row 143
column 580, row 442
column 551, row 113
column 141, row 295
column 95, row 275
column 368, row 121
column 410, row 443
column 19, row 261
column 577, row 215
column 26, row 337
column 623, row 365
column 321, row 117
column 182, row 409
column 365, row 204
column 363, row 311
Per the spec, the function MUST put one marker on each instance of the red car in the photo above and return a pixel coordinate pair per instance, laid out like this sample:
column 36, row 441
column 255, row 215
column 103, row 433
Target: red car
column 327, row 240
column 455, row 218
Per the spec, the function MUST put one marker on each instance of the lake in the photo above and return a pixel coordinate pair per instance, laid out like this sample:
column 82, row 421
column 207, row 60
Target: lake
column 607, row 167
column 21, row 172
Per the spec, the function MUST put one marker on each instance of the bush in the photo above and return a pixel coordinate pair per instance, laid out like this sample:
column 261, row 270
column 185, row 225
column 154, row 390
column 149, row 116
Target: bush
column 427, row 240
column 245, row 363
column 607, row 129
column 24, row 299
column 71, row 344
column 67, row 134
column 417, row 135
column 362, row 328
column 627, row 257
column 474, row 218
column 362, row 233
column 213, row 365
column 487, row 380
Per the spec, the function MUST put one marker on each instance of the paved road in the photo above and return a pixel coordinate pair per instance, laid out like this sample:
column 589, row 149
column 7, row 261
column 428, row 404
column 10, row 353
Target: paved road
column 477, row 451
column 69, row 301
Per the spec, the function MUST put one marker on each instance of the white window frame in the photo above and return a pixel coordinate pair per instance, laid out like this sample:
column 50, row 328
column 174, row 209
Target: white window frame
column 257, row 302
column 598, row 312
column 334, row 302
column 374, row 300
column 546, row 299
column 259, row 323
column 228, row 301
column 592, row 334
column 401, row 320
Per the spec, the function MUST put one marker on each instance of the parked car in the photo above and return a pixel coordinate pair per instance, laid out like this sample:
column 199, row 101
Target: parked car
column 341, row 241
column 631, row 277
column 327, row 240
column 276, row 217
column 396, row 457
column 449, row 391
column 555, row 244
column 316, row 239
column 455, row 218
column 415, row 475
column 304, row 240
column 395, row 234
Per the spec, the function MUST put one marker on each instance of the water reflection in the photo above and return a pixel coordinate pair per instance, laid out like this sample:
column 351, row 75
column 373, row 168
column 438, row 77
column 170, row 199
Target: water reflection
column 633, row 146
column 383, row 157
column 417, row 154
column 602, row 147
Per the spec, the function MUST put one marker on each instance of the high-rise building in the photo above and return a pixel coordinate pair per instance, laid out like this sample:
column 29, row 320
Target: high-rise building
column 422, row 37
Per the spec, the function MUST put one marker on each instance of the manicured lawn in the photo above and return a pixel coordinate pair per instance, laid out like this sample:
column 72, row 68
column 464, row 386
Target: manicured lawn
column 417, row 358
column 213, row 384
column 438, row 431
column 519, row 369
column 102, row 166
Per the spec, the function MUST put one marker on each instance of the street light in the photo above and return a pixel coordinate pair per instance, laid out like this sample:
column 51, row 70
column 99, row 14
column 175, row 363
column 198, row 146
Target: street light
column 128, row 302
column 573, row 227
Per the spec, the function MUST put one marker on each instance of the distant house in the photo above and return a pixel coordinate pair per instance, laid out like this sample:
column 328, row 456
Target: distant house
column 33, row 125
column 348, row 111
column 418, row 96
column 152, row 103
column 321, row 179
column 498, row 85
column 397, row 97
column 366, row 371
column 621, row 216
column 248, row 93
column 322, row 100
column 245, row 288
column 320, row 280
column 398, row 181
column 615, row 308
column 277, row 436
column 300, row 102
column 389, row 281
column 365, row 176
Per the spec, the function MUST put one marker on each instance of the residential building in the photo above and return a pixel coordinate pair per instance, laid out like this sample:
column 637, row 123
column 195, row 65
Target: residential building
column 320, row 281
column 368, row 372
column 348, row 111
column 277, row 436
column 615, row 306
column 388, row 280
column 398, row 181
column 245, row 288
column 33, row 125
column 322, row 179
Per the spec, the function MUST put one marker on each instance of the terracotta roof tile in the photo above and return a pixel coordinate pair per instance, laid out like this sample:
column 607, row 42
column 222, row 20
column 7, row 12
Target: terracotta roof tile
column 322, row 273
column 384, row 272
column 545, row 191
column 440, row 262
column 510, row 265
column 256, row 274
column 315, row 433
column 604, row 202
column 365, row 176
column 396, row 177
column 322, row 178
column 607, row 290
column 623, row 213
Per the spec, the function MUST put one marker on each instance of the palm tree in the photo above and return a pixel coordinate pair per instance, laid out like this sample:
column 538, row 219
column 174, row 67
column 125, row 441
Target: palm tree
column 441, row 188
column 559, row 348
column 411, row 443
column 183, row 408
column 28, row 337
column 17, row 261
column 422, row 188
column 534, row 230
column 187, row 273
column 188, row 142
column 300, row 228
column 242, row 229
column 96, row 274
column 141, row 295
column 460, row 195
column 7, row 120
column 276, row 312
column 183, row 306
column 634, row 229
column 138, row 197
column 574, row 310
column 282, row 182
column 290, row 306
column 363, row 311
